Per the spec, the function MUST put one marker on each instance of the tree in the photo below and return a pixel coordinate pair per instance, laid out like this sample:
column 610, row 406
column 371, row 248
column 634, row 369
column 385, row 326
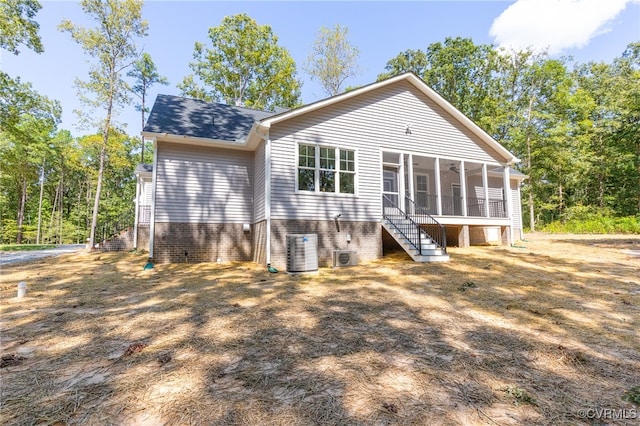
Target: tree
column 17, row 25
column 628, row 84
column 112, row 44
column 22, row 151
column 414, row 61
column 244, row 66
column 145, row 73
column 333, row 59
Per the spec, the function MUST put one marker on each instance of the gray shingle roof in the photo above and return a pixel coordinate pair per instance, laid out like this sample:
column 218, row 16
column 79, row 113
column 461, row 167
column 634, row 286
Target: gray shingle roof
column 189, row 117
column 144, row 168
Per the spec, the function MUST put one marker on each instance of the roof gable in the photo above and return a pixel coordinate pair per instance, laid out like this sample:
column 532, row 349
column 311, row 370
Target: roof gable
column 267, row 122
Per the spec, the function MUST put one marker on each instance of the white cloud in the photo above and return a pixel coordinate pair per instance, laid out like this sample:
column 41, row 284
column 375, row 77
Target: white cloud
column 555, row 25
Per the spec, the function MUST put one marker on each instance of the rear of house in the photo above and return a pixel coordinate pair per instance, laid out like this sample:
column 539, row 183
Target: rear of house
column 374, row 165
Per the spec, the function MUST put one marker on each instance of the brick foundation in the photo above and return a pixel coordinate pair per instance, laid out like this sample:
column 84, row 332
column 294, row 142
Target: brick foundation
column 202, row 242
column 366, row 239
column 143, row 238
column 121, row 242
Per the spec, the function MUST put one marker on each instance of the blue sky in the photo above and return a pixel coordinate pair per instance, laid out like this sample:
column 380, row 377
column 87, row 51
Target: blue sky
column 588, row 30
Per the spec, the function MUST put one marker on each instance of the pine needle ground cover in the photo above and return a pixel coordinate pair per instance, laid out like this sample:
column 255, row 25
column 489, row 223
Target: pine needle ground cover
column 546, row 332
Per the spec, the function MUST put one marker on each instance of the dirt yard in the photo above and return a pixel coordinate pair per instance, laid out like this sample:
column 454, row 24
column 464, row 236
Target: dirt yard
column 547, row 333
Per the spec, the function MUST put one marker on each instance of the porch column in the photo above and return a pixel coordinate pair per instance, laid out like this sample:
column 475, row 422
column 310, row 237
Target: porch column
column 401, row 193
column 463, row 188
column 412, row 194
column 507, row 191
column 485, row 185
column 436, row 172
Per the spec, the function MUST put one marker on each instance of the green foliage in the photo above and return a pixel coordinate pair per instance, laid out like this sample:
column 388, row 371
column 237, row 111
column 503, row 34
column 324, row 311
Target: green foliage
column 581, row 219
column 146, row 74
column 18, row 99
column 518, row 395
column 333, row 59
column 244, row 66
column 633, row 395
column 18, row 26
column 26, row 247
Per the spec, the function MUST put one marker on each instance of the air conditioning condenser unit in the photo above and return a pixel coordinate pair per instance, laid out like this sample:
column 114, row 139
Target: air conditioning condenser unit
column 344, row 258
column 302, row 252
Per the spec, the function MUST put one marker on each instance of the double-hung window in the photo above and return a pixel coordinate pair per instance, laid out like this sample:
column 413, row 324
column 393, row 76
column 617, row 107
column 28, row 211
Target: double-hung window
column 326, row 169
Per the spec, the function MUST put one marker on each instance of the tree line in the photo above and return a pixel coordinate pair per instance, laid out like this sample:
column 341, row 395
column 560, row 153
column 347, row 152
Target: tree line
column 574, row 126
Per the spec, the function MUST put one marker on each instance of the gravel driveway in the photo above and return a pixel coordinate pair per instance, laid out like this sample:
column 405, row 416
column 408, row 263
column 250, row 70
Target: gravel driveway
column 7, row 257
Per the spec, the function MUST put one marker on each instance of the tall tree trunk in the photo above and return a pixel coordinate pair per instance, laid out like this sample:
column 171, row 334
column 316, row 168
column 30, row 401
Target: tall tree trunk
column 61, row 209
column 40, row 203
column 142, row 136
column 23, row 203
column 561, row 203
column 638, row 167
column 532, row 220
column 601, row 166
column 53, row 211
column 103, row 155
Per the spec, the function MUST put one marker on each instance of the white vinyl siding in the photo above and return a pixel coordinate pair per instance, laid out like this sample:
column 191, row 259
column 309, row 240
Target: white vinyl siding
column 368, row 124
column 203, row 185
column 516, row 219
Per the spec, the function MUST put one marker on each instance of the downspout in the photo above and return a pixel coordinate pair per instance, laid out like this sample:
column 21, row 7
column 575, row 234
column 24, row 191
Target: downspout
column 436, row 172
column 154, row 182
column 267, row 194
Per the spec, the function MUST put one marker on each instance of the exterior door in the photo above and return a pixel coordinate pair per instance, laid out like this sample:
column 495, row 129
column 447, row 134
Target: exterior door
column 457, row 199
column 422, row 191
column 390, row 190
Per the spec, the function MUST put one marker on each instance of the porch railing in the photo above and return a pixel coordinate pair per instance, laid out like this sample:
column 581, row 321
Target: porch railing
column 476, row 207
column 144, row 215
column 451, row 206
column 497, row 208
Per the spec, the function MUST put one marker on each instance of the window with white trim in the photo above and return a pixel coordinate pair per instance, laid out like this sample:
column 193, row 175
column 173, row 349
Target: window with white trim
column 326, row 169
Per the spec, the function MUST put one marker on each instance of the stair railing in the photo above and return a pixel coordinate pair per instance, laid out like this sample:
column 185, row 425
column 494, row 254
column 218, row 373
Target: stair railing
column 434, row 229
column 402, row 222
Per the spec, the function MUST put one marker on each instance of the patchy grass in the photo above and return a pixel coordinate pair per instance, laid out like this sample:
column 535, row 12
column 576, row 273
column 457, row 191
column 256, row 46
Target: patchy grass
column 499, row 335
column 26, row 247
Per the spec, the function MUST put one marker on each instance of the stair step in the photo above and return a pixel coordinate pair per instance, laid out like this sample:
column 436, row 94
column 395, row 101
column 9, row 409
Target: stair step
column 430, row 250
